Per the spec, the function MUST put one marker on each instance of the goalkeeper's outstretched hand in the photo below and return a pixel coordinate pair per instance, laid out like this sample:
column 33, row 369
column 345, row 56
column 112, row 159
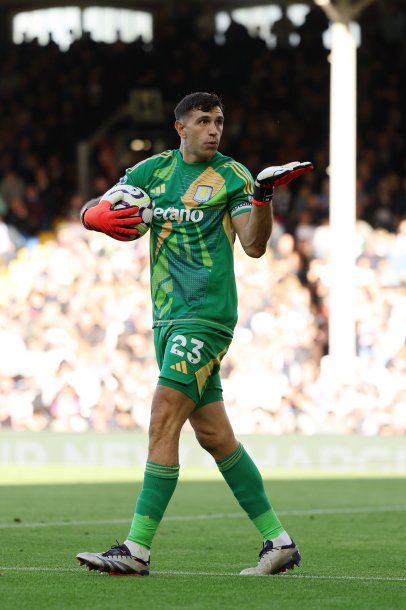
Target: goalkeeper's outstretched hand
column 276, row 175
column 118, row 224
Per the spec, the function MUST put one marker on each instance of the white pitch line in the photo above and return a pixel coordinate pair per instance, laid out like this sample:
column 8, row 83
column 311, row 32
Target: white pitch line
column 33, row 524
column 207, row 517
column 37, row 569
column 212, row 574
column 290, row 576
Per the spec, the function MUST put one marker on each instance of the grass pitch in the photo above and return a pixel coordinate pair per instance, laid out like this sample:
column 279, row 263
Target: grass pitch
column 351, row 534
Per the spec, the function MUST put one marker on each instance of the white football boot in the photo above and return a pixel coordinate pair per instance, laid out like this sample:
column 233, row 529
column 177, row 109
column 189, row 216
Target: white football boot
column 118, row 561
column 275, row 559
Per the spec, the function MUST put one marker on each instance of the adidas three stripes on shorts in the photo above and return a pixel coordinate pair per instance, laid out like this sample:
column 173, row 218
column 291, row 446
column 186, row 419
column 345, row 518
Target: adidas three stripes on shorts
column 189, row 358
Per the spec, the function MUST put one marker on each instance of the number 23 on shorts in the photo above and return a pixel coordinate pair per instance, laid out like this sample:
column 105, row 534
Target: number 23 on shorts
column 193, row 355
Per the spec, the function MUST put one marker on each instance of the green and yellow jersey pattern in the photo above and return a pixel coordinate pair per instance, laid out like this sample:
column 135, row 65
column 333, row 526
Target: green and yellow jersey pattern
column 191, row 239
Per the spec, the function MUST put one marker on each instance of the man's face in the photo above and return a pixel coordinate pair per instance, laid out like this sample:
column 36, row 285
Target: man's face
column 201, row 133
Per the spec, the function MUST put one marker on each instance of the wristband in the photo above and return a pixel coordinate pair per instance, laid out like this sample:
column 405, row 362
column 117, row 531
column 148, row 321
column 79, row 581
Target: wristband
column 88, row 206
column 260, row 204
column 82, row 216
column 263, row 194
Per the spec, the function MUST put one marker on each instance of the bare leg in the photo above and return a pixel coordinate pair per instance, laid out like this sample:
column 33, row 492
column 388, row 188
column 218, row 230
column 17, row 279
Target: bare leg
column 213, row 430
column 170, row 409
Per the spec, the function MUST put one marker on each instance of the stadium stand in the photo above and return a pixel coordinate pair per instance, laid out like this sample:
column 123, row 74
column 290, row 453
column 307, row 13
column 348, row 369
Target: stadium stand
column 96, row 325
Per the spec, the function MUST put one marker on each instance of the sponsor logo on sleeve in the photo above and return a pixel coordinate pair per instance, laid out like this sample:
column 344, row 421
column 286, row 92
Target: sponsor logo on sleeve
column 244, row 204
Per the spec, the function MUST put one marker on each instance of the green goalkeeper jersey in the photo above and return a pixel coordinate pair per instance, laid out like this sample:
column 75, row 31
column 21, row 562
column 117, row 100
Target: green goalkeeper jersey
column 191, row 238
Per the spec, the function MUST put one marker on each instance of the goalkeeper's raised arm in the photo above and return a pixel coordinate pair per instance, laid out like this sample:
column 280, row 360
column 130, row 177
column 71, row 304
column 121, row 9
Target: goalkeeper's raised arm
column 254, row 229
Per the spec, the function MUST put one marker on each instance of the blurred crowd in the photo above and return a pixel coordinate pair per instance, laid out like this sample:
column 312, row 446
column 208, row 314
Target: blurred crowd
column 276, row 103
column 76, row 349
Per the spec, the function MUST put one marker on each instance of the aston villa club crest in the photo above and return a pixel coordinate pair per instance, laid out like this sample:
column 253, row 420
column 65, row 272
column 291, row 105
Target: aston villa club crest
column 203, row 193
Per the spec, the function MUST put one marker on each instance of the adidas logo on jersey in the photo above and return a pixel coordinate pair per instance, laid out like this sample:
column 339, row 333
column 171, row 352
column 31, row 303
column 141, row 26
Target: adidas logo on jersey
column 181, row 367
column 158, row 190
column 179, row 215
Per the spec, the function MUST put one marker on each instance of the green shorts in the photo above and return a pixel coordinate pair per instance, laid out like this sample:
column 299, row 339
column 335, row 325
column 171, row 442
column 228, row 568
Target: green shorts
column 189, row 360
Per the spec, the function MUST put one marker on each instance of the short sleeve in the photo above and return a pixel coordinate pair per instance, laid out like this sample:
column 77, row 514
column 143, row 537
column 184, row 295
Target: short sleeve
column 241, row 188
column 138, row 175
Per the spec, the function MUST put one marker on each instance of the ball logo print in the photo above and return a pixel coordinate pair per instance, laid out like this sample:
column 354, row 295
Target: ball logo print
column 125, row 196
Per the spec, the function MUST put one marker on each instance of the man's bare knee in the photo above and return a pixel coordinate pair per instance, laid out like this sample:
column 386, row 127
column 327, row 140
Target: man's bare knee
column 170, row 410
column 218, row 443
column 213, row 430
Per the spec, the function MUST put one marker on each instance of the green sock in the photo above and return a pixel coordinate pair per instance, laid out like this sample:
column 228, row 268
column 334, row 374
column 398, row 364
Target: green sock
column 157, row 489
column 245, row 481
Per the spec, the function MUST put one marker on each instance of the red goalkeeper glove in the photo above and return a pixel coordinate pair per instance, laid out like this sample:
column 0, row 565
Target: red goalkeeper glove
column 118, row 224
column 276, row 175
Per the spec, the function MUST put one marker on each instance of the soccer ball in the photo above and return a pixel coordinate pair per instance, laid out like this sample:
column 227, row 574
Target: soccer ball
column 125, row 196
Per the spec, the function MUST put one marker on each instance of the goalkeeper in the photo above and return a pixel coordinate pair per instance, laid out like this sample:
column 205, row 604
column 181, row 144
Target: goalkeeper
column 202, row 199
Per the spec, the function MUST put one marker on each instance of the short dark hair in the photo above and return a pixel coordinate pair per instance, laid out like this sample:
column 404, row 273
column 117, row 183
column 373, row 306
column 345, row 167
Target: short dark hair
column 197, row 101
